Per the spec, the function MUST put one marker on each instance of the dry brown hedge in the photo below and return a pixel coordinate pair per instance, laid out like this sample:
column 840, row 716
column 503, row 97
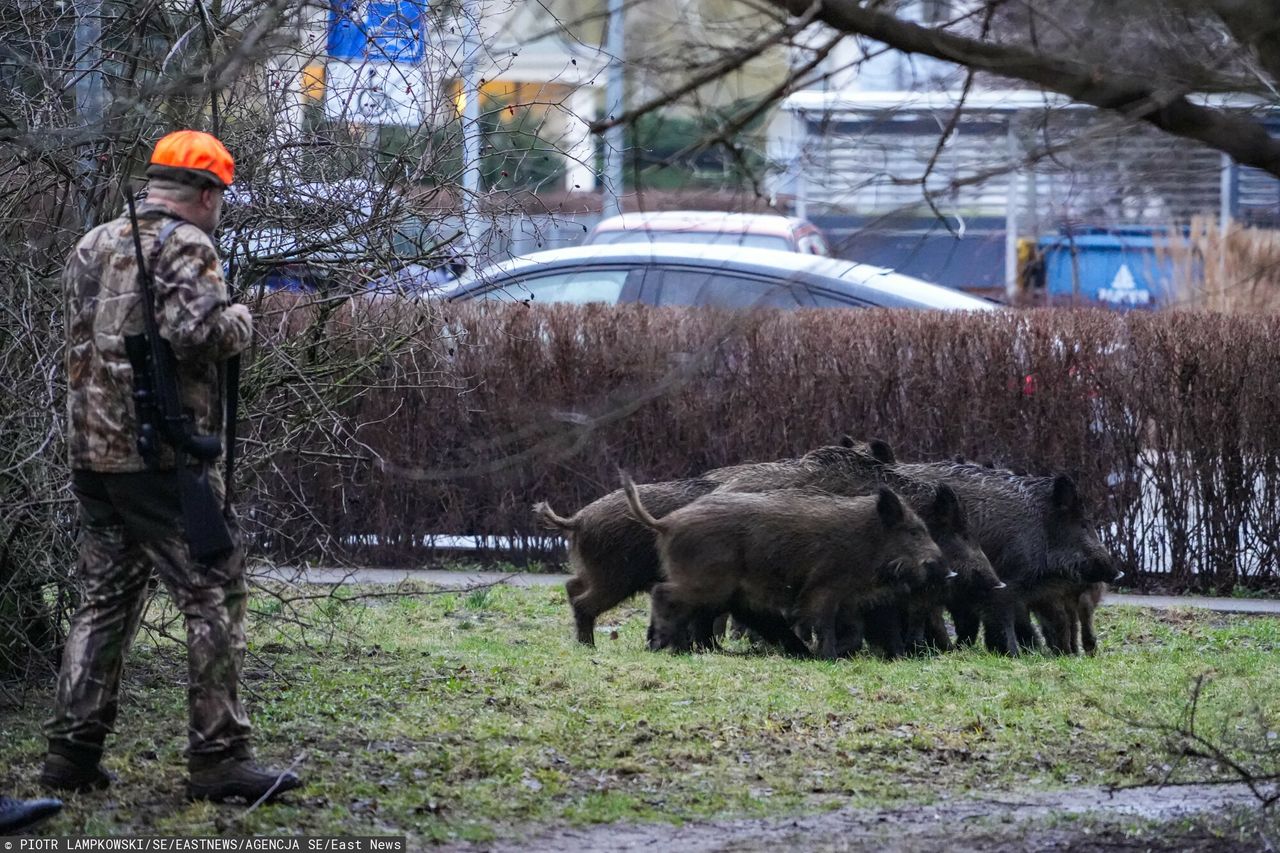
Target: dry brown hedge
column 1167, row 420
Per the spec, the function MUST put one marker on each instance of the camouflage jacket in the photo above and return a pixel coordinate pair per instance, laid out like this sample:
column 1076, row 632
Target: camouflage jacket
column 104, row 304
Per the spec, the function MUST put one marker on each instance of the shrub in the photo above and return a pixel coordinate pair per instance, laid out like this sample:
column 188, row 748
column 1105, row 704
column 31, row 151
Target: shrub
column 1161, row 417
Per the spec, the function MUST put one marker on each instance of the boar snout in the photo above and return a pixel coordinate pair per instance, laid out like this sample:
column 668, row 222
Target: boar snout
column 937, row 571
column 1101, row 569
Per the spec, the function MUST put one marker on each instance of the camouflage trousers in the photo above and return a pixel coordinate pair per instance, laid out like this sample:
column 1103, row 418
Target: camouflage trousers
column 130, row 526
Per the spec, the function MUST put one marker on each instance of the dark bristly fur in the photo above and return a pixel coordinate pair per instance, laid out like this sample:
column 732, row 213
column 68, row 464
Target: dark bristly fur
column 613, row 556
column 800, row 555
column 1038, row 538
column 911, row 622
column 848, row 448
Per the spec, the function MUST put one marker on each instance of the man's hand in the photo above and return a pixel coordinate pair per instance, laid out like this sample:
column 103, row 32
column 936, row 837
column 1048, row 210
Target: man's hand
column 240, row 314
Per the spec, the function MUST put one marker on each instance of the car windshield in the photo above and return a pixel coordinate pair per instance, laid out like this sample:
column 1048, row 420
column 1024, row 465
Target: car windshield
column 578, row 287
column 715, row 238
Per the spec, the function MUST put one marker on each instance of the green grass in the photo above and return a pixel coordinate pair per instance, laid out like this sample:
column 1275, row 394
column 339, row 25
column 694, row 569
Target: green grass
column 460, row 715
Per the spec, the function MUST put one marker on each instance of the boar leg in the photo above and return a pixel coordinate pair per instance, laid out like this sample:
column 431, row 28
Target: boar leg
column 1055, row 623
column 1001, row 631
column 588, row 606
column 576, row 587
column 821, row 612
column 925, row 629
column 771, row 627
column 669, row 620
column 1071, row 605
column 914, row 613
column 966, row 621
column 935, row 630
column 851, row 631
column 1087, row 637
column 703, row 630
column 885, row 630
column 691, row 628
column 1025, row 631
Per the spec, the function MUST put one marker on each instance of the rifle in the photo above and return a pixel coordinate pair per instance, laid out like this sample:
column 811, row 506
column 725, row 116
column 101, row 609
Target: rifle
column 158, row 405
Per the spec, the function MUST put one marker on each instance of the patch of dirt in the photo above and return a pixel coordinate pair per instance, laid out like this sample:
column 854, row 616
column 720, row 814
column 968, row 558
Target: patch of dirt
column 1011, row 822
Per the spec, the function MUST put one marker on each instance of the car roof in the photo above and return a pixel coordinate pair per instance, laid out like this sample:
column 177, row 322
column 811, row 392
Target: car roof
column 813, row 269
column 701, row 220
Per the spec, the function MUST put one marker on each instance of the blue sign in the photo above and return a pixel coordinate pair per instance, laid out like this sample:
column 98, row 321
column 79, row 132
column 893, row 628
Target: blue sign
column 378, row 30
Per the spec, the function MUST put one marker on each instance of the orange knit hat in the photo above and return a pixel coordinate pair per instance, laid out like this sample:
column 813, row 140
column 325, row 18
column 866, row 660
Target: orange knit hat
column 194, row 152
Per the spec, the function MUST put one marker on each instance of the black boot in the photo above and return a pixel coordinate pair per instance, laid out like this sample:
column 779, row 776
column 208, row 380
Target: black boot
column 65, row 774
column 237, row 777
column 20, row 814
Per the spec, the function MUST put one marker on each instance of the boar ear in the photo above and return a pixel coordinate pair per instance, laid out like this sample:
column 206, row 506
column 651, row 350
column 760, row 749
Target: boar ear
column 847, row 441
column 889, row 505
column 882, row 451
column 947, row 509
column 1065, row 496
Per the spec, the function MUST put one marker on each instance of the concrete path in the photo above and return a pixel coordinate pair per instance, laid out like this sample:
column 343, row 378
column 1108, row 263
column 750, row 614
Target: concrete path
column 449, row 580
column 1263, row 606
column 467, row 580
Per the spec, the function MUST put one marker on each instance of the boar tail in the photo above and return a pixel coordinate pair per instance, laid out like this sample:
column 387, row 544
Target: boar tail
column 638, row 512
column 549, row 519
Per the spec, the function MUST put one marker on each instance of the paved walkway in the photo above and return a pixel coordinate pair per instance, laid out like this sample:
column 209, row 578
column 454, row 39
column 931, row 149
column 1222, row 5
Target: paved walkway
column 466, row 580
column 1265, row 606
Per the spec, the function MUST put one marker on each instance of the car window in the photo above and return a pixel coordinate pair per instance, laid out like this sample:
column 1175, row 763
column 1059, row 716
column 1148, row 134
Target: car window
column 712, row 238
column 723, row 290
column 829, row 299
column 575, row 286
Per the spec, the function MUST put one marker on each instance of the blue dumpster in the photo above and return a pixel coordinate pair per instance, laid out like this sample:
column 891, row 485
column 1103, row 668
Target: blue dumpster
column 1110, row 268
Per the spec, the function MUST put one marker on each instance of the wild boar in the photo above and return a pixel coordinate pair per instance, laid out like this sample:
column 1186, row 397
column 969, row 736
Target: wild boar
column 847, row 472
column 612, row 555
column 1037, row 536
column 914, row 623
column 798, row 554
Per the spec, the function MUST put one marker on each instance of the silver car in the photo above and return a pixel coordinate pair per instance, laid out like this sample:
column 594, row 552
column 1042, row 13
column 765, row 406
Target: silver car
column 721, row 276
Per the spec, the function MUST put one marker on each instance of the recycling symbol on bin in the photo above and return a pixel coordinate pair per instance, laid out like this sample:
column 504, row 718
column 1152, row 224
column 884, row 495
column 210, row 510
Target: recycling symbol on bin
column 1124, row 290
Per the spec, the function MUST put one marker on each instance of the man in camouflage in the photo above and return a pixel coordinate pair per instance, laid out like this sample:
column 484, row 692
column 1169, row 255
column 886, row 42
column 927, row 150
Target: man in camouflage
column 130, row 512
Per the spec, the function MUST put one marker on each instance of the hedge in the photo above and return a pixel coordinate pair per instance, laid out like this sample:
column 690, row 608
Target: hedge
column 1166, row 420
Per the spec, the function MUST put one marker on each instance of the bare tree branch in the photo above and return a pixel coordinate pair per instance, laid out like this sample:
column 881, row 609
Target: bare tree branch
column 1240, row 136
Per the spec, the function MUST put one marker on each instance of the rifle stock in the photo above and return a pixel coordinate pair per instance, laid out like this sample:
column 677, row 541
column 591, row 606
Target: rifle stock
column 202, row 520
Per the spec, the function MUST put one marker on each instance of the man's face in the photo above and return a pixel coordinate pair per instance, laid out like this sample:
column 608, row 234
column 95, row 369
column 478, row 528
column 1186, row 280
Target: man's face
column 210, row 208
